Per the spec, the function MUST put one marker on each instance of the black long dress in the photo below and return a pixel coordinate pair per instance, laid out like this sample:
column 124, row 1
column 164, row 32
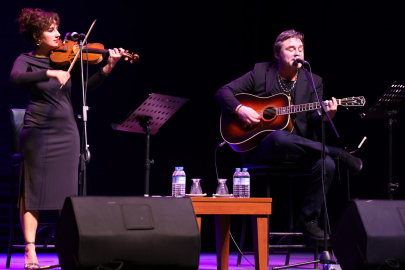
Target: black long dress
column 49, row 141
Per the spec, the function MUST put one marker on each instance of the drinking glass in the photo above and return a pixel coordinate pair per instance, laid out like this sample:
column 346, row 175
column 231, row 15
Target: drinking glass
column 222, row 189
column 196, row 186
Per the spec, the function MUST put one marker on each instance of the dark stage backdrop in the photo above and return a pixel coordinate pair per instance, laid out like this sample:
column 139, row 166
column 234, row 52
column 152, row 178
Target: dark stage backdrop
column 190, row 49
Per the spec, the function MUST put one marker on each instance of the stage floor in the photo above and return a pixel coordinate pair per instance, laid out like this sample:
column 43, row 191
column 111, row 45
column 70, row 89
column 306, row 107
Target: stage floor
column 207, row 260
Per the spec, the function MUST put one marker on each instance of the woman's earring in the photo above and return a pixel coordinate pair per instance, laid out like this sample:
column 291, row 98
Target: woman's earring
column 38, row 43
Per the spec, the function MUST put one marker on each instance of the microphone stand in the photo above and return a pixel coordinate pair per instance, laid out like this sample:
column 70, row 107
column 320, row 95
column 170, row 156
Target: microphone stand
column 84, row 147
column 325, row 258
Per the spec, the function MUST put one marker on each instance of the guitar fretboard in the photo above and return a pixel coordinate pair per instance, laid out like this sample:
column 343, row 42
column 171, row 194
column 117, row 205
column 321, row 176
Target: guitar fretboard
column 301, row 108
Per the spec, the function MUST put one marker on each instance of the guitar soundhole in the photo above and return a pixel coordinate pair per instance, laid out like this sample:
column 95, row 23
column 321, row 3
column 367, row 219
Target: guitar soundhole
column 269, row 113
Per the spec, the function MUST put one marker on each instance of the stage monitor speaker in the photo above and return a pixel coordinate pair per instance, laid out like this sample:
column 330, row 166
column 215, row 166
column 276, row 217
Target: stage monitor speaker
column 368, row 233
column 143, row 233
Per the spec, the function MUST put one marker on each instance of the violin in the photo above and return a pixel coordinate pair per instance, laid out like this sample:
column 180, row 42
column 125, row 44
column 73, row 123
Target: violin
column 67, row 50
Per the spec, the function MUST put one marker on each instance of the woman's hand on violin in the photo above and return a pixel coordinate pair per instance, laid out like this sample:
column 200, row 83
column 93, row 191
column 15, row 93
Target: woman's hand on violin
column 115, row 55
column 60, row 75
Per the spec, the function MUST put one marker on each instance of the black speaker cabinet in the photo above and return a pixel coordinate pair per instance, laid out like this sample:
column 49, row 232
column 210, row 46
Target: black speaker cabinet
column 370, row 232
column 144, row 233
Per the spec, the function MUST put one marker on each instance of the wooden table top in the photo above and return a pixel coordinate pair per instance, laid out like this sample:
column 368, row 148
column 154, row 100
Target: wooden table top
column 231, row 206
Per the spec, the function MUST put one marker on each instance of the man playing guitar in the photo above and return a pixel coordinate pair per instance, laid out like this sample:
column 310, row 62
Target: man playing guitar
column 301, row 145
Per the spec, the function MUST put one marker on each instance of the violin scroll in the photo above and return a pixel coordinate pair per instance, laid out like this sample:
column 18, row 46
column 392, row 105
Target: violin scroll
column 132, row 57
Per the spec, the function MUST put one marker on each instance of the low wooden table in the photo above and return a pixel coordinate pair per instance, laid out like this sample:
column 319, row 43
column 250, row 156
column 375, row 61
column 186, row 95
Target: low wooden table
column 222, row 208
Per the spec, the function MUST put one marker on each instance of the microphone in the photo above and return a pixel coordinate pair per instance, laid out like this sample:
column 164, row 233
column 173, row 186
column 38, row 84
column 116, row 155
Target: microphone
column 299, row 60
column 74, row 36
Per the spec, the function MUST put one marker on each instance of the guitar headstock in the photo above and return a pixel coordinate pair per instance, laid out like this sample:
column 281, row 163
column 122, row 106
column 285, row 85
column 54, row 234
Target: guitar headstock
column 352, row 102
column 132, row 57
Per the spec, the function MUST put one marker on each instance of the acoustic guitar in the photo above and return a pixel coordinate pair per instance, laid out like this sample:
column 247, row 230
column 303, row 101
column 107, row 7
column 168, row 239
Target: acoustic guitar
column 275, row 114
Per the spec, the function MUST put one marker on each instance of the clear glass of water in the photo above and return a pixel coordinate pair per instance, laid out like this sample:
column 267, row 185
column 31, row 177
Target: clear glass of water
column 196, row 186
column 222, row 189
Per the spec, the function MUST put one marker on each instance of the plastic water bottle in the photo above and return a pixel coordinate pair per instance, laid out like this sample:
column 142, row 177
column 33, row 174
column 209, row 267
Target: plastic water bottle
column 236, row 183
column 180, row 189
column 245, row 184
column 174, row 181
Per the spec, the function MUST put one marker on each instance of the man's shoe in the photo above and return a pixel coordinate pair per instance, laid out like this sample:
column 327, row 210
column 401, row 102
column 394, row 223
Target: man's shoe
column 310, row 226
column 351, row 162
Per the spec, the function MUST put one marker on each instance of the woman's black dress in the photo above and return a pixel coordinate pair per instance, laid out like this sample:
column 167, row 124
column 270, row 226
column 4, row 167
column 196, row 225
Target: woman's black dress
column 49, row 141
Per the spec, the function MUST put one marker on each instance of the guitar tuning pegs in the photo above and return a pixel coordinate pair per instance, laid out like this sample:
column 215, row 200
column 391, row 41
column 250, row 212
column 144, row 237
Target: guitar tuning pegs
column 131, row 61
column 126, row 58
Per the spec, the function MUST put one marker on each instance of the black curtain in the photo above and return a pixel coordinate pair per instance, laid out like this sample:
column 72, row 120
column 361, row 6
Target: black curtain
column 190, row 49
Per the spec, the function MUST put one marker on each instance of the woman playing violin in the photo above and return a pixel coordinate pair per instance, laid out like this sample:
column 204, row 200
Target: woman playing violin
column 49, row 142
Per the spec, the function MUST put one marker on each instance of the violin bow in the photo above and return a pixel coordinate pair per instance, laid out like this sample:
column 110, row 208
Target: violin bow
column 77, row 54
column 84, row 41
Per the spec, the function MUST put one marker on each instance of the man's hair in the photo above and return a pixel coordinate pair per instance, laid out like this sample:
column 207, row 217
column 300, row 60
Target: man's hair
column 284, row 36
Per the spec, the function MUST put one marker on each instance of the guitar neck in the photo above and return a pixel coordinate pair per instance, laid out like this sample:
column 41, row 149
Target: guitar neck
column 301, row 108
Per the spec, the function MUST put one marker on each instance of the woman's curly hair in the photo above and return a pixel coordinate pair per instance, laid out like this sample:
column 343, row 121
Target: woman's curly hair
column 35, row 21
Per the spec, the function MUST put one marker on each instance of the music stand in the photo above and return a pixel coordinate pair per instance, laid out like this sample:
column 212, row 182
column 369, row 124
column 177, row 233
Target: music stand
column 386, row 107
column 148, row 118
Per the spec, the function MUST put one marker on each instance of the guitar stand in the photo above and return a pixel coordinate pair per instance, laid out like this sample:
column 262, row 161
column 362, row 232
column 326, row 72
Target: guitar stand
column 147, row 119
column 387, row 107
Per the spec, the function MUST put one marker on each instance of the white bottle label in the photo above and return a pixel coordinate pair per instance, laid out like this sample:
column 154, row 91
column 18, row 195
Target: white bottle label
column 245, row 181
column 181, row 180
column 236, row 181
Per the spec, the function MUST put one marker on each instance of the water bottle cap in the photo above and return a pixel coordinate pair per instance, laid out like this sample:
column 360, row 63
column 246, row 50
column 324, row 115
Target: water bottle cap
column 180, row 168
column 245, row 169
column 176, row 168
column 238, row 169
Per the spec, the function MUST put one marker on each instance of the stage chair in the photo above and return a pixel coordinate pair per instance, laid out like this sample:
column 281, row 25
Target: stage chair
column 17, row 122
column 284, row 171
